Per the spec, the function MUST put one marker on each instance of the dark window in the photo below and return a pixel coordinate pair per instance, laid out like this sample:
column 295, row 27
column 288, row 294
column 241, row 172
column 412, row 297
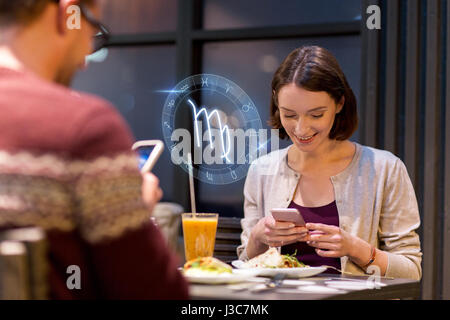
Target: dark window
column 221, row 14
column 140, row 16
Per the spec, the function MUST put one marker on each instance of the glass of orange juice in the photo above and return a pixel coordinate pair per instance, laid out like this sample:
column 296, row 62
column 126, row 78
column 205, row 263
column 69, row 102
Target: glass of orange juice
column 199, row 231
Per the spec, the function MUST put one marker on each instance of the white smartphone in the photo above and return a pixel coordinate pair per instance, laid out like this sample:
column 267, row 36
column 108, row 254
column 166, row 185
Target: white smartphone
column 149, row 152
column 289, row 215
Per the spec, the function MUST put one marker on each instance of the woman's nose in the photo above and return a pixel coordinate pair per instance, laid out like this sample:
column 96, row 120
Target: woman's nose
column 301, row 127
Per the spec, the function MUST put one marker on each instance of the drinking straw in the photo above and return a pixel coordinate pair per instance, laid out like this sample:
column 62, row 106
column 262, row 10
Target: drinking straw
column 191, row 184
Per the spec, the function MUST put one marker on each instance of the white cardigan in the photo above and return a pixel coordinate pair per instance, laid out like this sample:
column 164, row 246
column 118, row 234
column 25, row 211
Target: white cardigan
column 374, row 197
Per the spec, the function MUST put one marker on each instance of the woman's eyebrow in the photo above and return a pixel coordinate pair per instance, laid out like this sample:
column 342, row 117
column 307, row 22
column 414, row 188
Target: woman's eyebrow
column 286, row 109
column 318, row 109
column 312, row 110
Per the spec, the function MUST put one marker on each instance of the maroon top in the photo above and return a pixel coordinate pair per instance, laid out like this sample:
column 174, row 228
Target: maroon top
column 66, row 166
column 327, row 214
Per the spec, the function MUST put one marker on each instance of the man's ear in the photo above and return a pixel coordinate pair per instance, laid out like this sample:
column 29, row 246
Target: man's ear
column 340, row 105
column 64, row 14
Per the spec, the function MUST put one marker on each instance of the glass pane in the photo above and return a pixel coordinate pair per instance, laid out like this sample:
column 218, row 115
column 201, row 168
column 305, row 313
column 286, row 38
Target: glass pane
column 139, row 16
column 220, row 14
column 251, row 66
column 130, row 79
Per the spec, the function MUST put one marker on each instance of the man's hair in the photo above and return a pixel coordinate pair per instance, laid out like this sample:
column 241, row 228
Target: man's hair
column 315, row 69
column 24, row 11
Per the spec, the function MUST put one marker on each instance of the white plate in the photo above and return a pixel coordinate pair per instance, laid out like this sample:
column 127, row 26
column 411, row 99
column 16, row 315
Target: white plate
column 353, row 285
column 223, row 278
column 289, row 272
column 319, row 289
column 248, row 272
column 346, row 285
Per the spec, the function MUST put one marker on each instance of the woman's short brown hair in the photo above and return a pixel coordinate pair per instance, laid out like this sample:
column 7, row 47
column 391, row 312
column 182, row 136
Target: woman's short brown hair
column 316, row 69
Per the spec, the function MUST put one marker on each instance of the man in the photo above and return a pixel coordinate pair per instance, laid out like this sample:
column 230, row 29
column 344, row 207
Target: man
column 66, row 164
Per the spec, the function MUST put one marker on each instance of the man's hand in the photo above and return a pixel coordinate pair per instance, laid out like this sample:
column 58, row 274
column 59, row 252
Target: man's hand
column 151, row 192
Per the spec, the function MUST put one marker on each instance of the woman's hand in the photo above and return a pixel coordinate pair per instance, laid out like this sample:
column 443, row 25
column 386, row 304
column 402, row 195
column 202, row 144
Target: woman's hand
column 330, row 241
column 277, row 233
column 151, row 192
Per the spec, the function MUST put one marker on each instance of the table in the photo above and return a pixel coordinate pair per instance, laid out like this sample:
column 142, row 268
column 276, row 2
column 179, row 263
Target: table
column 393, row 289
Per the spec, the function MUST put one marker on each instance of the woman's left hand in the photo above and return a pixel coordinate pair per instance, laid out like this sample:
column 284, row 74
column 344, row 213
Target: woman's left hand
column 330, row 241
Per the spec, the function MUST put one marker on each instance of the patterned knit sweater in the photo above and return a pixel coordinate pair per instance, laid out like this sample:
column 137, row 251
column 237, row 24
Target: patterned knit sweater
column 66, row 166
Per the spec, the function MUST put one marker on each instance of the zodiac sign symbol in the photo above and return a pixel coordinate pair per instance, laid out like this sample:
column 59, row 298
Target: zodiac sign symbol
column 222, row 129
column 167, row 125
column 233, row 174
column 245, row 107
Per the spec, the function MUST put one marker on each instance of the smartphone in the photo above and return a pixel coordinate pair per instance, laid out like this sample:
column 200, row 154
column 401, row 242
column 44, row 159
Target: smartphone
column 288, row 214
column 148, row 152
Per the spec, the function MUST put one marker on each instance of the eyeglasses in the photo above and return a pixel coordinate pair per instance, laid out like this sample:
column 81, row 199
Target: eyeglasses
column 101, row 39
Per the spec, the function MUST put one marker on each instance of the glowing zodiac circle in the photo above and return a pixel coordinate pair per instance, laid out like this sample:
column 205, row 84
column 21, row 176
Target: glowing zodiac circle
column 219, row 114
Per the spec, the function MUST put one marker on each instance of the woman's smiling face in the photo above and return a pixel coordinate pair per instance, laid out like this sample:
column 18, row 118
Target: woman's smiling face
column 307, row 116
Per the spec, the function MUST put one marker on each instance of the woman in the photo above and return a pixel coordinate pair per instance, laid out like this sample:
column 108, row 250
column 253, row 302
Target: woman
column 358, row 202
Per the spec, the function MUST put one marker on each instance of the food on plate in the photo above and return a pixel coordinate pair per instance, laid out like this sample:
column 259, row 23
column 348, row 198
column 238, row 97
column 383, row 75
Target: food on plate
column 291, row 261
column 206, row 266
column 273, row 259
column 269, row 259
